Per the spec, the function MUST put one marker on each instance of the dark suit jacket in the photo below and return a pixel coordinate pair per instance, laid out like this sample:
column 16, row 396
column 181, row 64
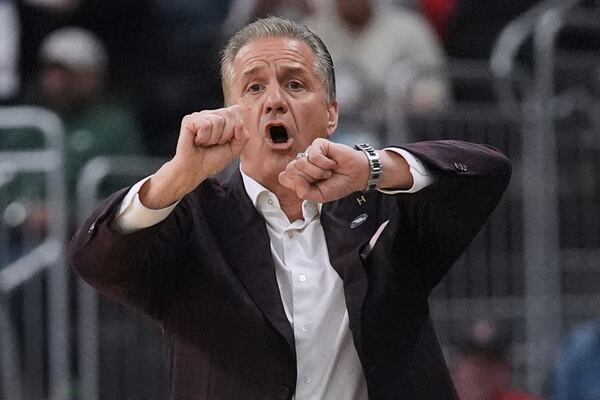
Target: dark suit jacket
column 206, row 274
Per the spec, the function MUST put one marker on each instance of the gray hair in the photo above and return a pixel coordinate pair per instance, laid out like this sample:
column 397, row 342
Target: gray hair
column 278, row 27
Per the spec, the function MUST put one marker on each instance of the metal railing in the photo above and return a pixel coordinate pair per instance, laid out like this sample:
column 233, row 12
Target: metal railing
column 48, row 256
column 89, row 195
column 542, row 250
column 536, row 309
column 514, row 270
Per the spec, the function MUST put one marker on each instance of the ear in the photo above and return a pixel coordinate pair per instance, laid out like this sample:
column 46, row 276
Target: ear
column 333, row 110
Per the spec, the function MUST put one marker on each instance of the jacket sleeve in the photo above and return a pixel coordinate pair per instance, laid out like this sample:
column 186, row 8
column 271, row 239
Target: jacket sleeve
column 442, row 219
column 140, row 268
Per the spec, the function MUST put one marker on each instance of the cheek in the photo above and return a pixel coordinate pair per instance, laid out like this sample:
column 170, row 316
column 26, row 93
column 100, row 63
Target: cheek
column 251, row 117
column 250, row 108
column 317, row 121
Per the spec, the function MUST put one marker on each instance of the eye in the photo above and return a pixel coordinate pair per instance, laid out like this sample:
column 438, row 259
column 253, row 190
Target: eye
column 255, row 87
column 295, row 85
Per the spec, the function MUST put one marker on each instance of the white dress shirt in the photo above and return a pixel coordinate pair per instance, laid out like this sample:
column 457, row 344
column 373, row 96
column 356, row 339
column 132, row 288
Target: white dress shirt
column 311, row 290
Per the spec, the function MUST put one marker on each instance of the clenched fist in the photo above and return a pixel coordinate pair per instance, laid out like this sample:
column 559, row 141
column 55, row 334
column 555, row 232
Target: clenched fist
column 208, row 142
column 331, row 171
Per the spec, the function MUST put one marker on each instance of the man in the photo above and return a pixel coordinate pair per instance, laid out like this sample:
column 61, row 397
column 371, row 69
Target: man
column 72, row 69
column 376, row 40
column 73, row 83
column 483, row 367
column 284, row 278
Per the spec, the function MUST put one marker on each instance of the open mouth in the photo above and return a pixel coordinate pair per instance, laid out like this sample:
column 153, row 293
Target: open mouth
column 278, row 134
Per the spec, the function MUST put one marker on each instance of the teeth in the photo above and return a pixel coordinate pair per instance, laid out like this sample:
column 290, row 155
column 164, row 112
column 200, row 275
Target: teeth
column 278, row 134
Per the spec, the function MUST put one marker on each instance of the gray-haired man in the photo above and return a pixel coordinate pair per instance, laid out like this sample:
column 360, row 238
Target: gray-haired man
column 305, row 273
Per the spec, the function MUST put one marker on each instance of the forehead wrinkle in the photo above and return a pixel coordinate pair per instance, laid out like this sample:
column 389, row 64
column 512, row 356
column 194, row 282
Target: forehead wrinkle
column 290, row 52
column 254, row 69
column 283, row 65
column 253, row 51
column 292, row 69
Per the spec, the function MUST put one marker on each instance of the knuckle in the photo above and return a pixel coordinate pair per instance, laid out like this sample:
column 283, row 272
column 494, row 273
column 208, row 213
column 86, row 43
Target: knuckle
column 229, row 112
column 205, row 124
column 196, row 116
column 187, row 120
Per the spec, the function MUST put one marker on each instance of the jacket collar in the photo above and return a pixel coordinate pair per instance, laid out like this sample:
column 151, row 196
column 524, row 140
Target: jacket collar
column 346, row 237
column 250, row 252
column 243, row 236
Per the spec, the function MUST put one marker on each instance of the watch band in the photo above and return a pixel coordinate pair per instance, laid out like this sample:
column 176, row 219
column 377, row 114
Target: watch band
column 375, row 165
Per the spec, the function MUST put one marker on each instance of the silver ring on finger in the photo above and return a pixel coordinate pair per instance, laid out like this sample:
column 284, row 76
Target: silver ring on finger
column 301, row 155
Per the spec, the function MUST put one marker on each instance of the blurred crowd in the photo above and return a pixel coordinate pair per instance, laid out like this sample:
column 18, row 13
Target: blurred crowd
column 484, row 364
column 157, row 60
column 121, row 74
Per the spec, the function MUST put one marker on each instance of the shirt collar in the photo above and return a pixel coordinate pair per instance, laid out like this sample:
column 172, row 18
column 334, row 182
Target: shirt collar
column 255, row 190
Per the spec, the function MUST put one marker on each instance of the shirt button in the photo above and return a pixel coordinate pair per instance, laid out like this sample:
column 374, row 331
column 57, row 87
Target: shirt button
column 270, row 202
column 302, row 278
column 305, row 329
column 306, row 379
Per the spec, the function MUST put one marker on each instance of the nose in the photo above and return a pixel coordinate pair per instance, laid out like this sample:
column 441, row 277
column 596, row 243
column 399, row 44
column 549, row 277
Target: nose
column 275, row 101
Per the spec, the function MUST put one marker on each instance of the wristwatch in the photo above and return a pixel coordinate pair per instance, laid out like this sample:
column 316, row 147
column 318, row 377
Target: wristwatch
column 375, row 165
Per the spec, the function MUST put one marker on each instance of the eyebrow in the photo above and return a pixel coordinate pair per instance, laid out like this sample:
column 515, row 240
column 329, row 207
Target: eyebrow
column 287, row 69
column 254, row 70
column 293, row 70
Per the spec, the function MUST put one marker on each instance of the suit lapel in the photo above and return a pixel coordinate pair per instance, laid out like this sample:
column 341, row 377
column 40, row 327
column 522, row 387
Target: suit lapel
column 344, row 242
column 243, row 237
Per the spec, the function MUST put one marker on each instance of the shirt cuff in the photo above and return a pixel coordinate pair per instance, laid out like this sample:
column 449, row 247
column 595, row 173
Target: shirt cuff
column 133, row 215
column 421, row 176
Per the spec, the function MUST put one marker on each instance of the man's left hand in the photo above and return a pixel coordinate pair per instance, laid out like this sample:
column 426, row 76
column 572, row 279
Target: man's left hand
column 328, row 172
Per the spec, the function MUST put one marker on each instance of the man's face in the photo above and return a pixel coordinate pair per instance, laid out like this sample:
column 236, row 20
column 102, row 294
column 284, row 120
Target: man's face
column 66, row 90
column 284, row 104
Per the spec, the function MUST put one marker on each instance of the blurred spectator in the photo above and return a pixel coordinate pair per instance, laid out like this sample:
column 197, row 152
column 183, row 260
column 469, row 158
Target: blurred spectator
column 9, row 51
column 577, row 370
column 138, row 37
column 130, row 32
column 483, row 370
column 410, row 4
column 367, row 42
column 37, row 19
column 71, row 82
column 439, row 13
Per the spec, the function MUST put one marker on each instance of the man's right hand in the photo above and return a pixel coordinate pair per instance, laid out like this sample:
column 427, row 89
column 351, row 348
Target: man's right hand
column 208, row 142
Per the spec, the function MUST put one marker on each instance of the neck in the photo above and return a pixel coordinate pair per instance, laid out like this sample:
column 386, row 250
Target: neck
column 291, row 205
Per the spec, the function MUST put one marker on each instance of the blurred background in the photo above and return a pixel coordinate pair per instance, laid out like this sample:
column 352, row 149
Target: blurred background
column 91, row 96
